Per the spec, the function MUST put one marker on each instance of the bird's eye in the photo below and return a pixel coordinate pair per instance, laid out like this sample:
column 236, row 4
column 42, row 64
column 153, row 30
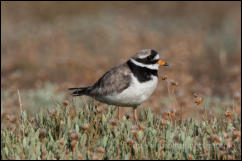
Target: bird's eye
column 150, row 57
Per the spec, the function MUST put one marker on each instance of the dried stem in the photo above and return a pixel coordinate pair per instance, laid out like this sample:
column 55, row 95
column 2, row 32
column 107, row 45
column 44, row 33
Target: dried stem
column 20, row 102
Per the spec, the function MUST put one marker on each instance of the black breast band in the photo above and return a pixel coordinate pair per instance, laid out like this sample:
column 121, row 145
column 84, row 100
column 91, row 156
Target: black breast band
column 143, row 74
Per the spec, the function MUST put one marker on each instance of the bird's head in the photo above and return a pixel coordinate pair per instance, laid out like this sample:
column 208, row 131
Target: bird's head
column 148, row 58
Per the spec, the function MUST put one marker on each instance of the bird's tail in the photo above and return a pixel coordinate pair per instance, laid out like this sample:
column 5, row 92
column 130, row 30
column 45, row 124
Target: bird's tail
column 79, row 91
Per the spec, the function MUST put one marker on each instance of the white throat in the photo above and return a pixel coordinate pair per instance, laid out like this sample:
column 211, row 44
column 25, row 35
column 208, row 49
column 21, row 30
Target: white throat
column 150, row 66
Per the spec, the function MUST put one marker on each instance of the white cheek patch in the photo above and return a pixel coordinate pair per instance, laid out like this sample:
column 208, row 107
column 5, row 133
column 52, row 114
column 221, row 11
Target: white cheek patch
column 157, row 57
column 150, row 66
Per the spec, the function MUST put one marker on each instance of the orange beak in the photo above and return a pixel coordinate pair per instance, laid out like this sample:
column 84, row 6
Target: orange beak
column 162, row 63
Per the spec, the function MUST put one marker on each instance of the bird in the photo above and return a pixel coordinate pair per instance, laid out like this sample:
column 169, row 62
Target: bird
column 129, row 84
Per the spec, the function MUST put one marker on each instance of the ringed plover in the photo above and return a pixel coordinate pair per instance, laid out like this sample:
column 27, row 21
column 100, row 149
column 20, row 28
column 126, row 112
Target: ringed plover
column 129, row 84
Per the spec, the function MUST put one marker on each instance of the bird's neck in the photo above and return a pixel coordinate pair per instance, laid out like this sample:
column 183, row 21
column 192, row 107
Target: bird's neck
column 142, row 73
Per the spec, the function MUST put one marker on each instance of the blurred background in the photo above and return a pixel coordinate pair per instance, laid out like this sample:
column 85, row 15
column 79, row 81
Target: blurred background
column 72, row 44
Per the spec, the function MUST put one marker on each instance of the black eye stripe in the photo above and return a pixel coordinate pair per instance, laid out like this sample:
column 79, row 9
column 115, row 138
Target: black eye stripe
column 153, row 52
column 150, row 57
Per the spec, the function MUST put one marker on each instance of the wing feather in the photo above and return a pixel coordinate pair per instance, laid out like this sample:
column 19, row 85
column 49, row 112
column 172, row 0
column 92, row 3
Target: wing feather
column 114, row 81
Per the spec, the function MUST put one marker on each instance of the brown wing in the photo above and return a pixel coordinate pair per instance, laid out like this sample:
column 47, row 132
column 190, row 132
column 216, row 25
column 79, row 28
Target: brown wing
column 115, row 80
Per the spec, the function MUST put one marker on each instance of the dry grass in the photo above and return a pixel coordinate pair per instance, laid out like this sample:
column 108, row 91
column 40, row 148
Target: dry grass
column 82, row 130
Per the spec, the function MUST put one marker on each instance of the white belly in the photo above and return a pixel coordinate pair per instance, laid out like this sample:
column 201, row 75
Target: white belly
column 134, row 95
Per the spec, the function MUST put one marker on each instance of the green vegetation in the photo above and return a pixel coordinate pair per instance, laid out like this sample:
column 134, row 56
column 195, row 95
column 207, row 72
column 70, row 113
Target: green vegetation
column 81, row 130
